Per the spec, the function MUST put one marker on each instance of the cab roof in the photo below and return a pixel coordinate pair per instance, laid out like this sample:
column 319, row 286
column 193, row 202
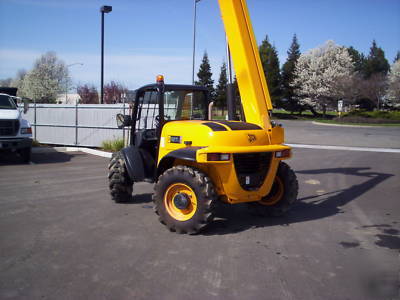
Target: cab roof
column 170, row 87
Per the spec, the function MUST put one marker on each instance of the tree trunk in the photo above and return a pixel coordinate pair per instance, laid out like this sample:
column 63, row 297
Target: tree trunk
column 315, row 114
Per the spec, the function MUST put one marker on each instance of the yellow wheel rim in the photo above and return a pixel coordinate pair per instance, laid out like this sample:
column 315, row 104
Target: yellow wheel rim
column 180, row 214
column 276, row 193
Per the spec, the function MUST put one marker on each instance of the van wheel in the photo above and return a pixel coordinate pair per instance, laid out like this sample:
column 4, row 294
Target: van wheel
column 121, row 186
column 25, row 154
column 282, row 195
column 184, row 199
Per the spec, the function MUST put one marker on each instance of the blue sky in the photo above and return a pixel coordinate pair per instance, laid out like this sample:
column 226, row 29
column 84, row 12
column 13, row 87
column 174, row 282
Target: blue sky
column 146, row 38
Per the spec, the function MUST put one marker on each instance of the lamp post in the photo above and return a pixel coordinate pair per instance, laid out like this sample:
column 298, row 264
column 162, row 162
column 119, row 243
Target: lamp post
column 104, row 9
column 194, row 36
column 66, row 80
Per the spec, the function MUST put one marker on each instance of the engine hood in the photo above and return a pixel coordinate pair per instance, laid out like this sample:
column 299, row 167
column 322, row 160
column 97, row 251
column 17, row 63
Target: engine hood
column 213, row 133
column 9, row 114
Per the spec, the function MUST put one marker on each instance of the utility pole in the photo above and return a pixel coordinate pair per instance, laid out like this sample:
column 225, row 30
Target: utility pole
column 104, row 9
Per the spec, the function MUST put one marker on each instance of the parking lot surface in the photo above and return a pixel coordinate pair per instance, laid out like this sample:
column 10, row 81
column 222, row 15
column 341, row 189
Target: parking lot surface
column 61, row 237
column 307, row 132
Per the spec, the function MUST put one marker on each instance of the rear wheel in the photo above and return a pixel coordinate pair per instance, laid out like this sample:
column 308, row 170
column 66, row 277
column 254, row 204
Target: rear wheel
column 282, row 195
column 120, row 184
column 184, row 199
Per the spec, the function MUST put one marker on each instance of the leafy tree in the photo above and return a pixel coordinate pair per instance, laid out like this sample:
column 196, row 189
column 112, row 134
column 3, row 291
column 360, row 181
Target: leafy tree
column 88, row 94
column 374, row 89
column 358, row 59
column 46, row 80
column 113, row 92
column 317, row 75
column 270, row 63
column 393, row 92
column 376, row 61
column 205, row 75
column 6, row 82
column 220, row 92
column 18, row 80
column 288, row 69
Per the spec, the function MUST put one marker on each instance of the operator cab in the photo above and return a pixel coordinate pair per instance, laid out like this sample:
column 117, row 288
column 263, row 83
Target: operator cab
column 153, row 106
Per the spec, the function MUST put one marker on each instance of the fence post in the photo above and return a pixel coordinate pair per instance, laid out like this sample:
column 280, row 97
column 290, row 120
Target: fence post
column 34, row 117
column 123, row 128
column 76, row 123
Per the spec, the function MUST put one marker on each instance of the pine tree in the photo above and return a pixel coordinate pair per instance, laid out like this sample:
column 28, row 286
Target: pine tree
column 397, row 57
column 288, row 69
column 220, row 92
column 376, row 61
column 270, row 63
column 358, row 59
column 205, row 75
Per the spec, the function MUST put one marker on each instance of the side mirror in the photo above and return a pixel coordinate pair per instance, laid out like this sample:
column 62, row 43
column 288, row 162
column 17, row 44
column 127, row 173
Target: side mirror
column 26, row 105
column 123, row 120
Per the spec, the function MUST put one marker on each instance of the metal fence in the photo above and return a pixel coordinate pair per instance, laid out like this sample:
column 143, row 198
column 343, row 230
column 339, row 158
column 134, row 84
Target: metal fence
column 84, row 124
column 78, row 125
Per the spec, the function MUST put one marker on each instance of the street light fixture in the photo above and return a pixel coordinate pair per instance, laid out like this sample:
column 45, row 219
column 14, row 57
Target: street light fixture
column 194, row 36
column 66, row 80
column 104, row 9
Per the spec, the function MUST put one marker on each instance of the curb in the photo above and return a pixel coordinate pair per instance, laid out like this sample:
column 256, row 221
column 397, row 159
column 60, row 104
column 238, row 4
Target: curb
column 72, row 149
column 346, row 125
column 328, row 147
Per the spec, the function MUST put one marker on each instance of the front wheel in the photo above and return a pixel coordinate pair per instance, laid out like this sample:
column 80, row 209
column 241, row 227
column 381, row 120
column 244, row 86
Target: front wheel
column 120, row 184
column 184, row 199
column 25, row 154
column 282, row 195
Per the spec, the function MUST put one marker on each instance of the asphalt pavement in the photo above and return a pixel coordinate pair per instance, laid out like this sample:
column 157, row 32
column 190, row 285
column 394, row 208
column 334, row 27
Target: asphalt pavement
column 61, row 236
column 307, row 132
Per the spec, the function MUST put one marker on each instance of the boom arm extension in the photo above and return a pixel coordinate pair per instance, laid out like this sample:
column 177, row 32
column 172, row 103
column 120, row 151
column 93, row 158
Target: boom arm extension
column 246, row 59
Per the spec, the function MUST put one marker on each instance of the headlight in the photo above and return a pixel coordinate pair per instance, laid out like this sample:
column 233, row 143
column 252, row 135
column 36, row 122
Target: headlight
column 26, row 130
column 218, row 156
column 283, row 154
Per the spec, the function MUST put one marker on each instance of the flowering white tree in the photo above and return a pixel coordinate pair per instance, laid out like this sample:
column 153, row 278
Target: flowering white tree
column 393, row 91
column 46, row 80
column 323, row 75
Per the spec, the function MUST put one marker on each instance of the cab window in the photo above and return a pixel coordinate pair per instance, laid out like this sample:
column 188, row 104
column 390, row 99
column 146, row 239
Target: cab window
column 185, row 105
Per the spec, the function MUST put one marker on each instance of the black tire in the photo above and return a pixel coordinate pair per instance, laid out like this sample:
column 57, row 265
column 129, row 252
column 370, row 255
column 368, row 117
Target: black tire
column 120, row 184
column 204, row 195
column 25, row 154
column 284, row 198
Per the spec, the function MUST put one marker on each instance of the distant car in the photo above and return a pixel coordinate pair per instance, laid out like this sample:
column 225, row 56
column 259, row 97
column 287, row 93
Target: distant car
column 15, row 131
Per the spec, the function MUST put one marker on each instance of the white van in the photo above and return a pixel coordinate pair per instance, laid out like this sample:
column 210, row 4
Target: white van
column 15, row 131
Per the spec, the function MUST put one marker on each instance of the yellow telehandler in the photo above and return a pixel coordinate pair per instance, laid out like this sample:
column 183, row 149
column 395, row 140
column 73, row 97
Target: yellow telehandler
column 194, row 161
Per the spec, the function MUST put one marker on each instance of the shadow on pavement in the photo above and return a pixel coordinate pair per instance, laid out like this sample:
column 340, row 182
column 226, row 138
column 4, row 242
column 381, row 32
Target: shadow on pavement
column 235, row 218
column 140, row 199
column 8, row 158
column 53, row 157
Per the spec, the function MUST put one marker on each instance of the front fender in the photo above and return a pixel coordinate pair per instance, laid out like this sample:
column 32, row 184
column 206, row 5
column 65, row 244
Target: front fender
column 134, row 163
column 187, row 153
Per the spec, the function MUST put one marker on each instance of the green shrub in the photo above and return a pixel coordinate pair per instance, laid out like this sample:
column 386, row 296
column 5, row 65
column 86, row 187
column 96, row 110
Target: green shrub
column 379, row 114
column 370, row 117
column 35, row 143
column 113, row 145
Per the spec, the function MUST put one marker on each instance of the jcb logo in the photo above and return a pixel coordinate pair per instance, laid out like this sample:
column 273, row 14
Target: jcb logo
column 251, row 137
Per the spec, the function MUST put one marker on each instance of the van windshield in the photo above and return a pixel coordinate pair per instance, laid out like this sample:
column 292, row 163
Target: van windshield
column 6, row 102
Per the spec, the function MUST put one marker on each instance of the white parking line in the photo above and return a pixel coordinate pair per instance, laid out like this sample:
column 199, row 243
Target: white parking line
column 323, row 147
